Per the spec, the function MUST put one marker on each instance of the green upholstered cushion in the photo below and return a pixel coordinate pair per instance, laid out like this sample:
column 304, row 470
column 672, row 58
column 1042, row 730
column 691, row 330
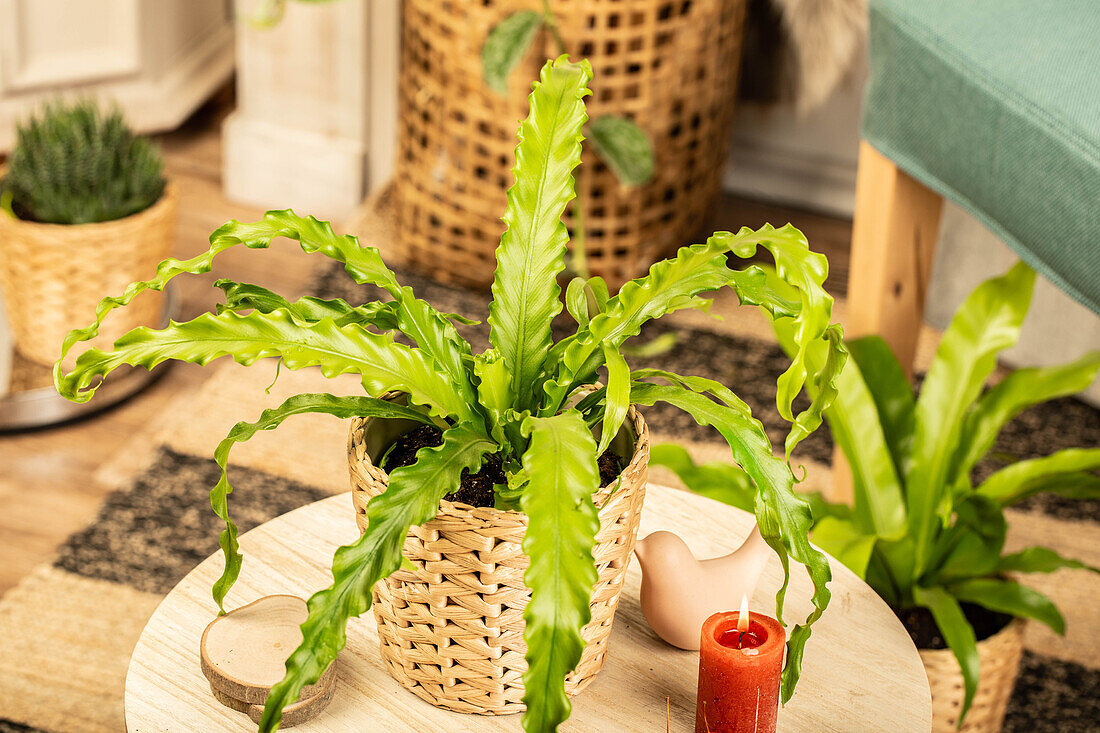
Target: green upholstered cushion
column 995, row 104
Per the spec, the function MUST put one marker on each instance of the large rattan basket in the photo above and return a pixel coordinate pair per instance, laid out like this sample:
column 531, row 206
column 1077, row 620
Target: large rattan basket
column 53, row 275
column 999, row 657
column 452, row 631
column 670, row 66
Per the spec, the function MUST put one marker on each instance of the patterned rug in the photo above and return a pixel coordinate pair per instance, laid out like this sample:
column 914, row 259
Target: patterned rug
column 66, row 632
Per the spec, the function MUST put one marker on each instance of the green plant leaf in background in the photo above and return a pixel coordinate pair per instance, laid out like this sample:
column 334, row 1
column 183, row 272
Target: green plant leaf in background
column 561, row 532
column 1007, row 596
column 891, row 391
column 1039, row 560
column 532, row 249
column 1016, row 392
column 506, row 45
column 343, row 407
column 958, row 633
column 625, row 148
column 988, row 321
column 842, row 539
column 1067, row 473
column 724, row 482
column 412, row 498
column 971, row 545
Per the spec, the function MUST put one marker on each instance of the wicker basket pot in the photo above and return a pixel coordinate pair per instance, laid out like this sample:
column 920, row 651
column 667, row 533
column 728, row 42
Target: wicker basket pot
column 54, row 275
column 670, row 66
column 999, row 657
column 452, row 632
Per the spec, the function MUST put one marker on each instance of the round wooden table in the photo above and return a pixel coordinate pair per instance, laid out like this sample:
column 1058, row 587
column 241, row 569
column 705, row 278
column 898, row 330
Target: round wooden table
column 861, row 671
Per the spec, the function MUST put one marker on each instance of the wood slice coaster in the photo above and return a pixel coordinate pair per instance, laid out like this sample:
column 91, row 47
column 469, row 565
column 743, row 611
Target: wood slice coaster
column 298, row 712
column 243, row 654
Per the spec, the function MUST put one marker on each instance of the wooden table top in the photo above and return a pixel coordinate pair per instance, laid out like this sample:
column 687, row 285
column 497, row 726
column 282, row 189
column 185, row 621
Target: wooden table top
column 861, row 671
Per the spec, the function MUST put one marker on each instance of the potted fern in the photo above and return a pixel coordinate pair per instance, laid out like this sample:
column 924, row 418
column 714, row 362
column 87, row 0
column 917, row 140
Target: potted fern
column 477, row 477
column 85, row 210
column 921, row 532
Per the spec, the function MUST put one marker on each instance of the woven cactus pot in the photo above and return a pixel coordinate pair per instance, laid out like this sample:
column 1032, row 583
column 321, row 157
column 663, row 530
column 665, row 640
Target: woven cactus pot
column 671, row 67
column 999, row 657
column 452, row 631
column 54, row 275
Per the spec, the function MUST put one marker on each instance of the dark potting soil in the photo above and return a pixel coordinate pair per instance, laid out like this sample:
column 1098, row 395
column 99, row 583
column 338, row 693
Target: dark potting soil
column 926, row 634
column 475, row 489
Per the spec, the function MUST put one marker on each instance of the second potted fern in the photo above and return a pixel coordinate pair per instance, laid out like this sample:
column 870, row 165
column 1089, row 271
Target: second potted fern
column 85, row 210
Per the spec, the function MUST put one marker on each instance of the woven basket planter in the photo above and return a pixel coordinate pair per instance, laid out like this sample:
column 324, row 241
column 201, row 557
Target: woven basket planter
column 452, row 632
column 670, row 67
column 1000, row 661
column 54, row 275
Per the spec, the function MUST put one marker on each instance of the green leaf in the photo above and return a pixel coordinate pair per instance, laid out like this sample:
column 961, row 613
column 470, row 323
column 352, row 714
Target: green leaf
column 1062, row 473
column 843, row 540
column 891, row 391
column 724, row 482
column 492, row 391
column 576, row 301
column 383, row 364
column 412, row 498
column 561, row 532
column 428, row 328
column 625, row 147
column 343, row 407
column 506, row 45
column 987, row 322
column 616, row 398
column 879, row 506
column 1039, row 560
column 959, row 635
column 1016, row 392
column 783, row 516
column 972, row 545
column 532, row 250
column 672, row 284
column 244, row 296
column 1008, row 596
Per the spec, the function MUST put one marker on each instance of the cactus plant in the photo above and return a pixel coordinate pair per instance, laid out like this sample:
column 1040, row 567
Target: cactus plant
column 76, row 164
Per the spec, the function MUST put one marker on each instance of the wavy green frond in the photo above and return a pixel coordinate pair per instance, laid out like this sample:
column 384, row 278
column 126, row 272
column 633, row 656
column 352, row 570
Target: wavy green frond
column 383, row 364
column 245, row 296
column 532, row 249
column 672, row 284
column 879, row 506
column 783, row 516
column 561, row 532
column 1067, row 473
column 1016, row 392
column 270, row 419
column 506, row 45
column 959, row 635
column 987, row 322
column 428, row 328
column 1039, row 560
column 412, row 498
column 1008, row 596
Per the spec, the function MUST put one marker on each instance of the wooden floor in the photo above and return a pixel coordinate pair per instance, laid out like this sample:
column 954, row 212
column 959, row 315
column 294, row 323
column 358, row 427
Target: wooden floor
column 53, row 481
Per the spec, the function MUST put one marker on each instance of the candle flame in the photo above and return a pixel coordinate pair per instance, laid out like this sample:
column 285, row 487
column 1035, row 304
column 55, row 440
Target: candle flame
column 743, row 617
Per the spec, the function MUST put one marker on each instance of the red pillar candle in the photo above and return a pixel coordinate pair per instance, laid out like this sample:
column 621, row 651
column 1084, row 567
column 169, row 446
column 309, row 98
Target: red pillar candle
column 739, row 667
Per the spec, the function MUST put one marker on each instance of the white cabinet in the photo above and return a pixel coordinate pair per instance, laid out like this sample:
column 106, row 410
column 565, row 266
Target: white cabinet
column 159, row 59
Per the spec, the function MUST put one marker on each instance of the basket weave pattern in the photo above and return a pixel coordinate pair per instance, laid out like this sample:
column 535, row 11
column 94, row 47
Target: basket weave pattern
column 53, row 275
column 670, row 67
column 452, row 632
column 999, row 657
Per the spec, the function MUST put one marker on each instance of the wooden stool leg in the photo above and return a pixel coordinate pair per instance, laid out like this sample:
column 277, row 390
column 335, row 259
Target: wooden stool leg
column 893, row 239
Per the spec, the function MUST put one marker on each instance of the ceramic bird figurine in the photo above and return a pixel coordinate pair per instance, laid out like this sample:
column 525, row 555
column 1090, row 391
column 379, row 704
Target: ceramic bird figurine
column 679, row 592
